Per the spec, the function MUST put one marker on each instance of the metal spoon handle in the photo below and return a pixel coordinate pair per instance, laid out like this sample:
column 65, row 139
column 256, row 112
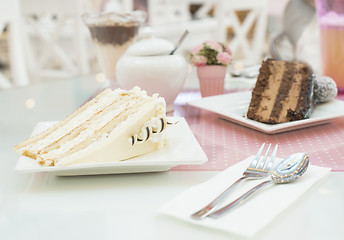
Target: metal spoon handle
column 218, row 213
column 181, row 39
column 204, row 212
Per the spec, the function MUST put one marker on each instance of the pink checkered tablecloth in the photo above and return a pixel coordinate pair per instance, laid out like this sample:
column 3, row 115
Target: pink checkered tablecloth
column 227, row 143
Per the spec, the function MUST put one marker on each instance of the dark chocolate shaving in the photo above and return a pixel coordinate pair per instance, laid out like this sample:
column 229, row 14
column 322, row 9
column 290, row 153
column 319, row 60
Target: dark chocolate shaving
column 148, row 133
column 162, row 124
column 151, row 131
column 171, row 123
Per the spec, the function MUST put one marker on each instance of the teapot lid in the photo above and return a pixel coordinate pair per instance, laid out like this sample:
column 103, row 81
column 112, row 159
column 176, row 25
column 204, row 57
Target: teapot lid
column 150, row 46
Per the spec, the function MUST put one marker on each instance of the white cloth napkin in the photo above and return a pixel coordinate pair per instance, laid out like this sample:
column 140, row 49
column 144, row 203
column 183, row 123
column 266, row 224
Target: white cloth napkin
column 249, row 218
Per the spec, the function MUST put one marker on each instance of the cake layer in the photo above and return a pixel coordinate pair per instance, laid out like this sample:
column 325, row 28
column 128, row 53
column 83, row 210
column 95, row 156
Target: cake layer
column 90, row 130
column 283, row 92
column 33, row 145
column 117, row 145
column 106, row 123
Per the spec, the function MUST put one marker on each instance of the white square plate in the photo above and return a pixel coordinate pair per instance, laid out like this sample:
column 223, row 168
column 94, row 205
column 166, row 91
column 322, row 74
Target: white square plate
column 181, row 148
column 233, row 107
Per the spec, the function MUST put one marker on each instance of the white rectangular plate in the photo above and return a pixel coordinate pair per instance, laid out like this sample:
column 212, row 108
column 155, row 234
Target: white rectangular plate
column 233, row 107
column 181, row 148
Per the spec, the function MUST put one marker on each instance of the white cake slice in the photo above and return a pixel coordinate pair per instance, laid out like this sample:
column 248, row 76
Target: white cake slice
column 115, row 125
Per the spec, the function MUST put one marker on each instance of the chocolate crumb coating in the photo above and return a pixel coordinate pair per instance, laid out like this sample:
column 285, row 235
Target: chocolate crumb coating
column 261, row 85
column 294, row 115
column 305, row 104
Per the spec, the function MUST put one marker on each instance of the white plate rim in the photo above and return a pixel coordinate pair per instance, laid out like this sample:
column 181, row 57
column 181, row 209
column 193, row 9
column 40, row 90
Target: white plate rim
column 263, row 127
column 127, row 166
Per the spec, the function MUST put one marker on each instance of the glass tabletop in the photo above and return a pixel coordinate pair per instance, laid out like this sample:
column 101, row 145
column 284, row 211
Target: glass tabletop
column 21, row 108
column 103, row 206
column 224, row 142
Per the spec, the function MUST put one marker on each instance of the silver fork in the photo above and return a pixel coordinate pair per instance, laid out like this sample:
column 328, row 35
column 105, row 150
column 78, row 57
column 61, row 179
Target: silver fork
column 256, row 170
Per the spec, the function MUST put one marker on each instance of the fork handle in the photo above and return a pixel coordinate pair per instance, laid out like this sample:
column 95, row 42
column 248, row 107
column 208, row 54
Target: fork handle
column 218, row 213
column 207, row 209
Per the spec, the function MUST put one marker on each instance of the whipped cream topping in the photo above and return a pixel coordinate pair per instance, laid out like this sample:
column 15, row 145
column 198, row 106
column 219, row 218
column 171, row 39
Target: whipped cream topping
column 114, row 18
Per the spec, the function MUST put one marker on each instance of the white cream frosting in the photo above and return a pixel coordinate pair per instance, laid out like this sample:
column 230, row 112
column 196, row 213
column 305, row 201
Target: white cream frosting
column 100, row 130
column 116, row 145
column 74, row 122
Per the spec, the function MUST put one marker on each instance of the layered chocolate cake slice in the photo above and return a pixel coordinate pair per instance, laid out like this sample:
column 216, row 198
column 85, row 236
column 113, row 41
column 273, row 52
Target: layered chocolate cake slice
column 283, row 92
column 114, row 126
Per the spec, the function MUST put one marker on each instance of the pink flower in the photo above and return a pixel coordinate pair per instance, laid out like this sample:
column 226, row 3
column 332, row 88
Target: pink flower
column 196, row 49
column 214, row 45
column 210, row 52
column 223, row 58
column 228, row 50
column 198, row 60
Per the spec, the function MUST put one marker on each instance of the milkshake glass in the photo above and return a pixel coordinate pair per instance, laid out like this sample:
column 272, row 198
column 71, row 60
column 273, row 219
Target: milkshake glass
column 331, row 21
column 112, row 33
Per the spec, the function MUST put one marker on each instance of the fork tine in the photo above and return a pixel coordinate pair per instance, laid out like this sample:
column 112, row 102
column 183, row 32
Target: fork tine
column 268, row 166
column 264, row 160
column 254, row 162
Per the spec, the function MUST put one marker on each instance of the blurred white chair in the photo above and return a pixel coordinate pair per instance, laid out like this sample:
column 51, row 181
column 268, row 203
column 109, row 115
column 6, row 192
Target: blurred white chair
column 47, row 23
column 251, row 49
column 167, row 11
column 170, row 18
column 300, row 37
column 116, row 5
column 10, row 14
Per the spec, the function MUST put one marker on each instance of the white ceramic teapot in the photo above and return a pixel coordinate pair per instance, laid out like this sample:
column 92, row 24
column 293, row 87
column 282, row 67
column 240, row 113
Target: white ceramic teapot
column 147, row 64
